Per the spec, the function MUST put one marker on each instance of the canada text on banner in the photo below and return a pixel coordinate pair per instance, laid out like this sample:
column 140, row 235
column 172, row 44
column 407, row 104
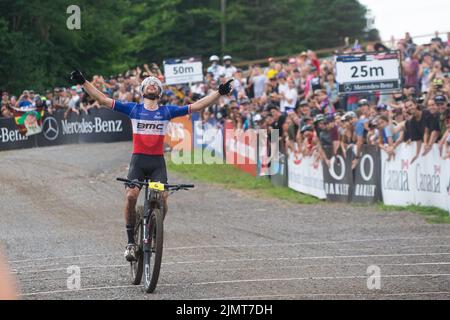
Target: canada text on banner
column 425, row 181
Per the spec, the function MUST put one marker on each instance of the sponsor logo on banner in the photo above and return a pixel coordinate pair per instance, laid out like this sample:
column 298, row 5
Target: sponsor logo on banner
column 8, row 135
column 305, row 175
column 97, row 126
column 50, row 128
column 397, row 179
column 101, row 125
column 367, row 180
column 337, row 186
column 428, row 181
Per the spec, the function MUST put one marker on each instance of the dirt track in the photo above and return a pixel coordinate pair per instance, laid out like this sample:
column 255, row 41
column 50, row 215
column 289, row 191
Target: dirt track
column 61, row 207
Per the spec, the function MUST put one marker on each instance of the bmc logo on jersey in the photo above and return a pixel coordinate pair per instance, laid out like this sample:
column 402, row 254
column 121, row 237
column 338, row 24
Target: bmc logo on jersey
column 151, row 126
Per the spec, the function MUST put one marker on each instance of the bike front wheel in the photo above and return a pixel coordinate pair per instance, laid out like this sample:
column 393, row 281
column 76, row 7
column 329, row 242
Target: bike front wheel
column 153, row 250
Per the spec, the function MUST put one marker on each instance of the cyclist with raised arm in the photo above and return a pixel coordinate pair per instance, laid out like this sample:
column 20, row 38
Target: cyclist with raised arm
column 149, row 121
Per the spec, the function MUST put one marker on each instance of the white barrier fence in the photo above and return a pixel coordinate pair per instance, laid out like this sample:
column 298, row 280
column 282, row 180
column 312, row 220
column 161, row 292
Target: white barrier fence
column 305, row 175
column 424, row 182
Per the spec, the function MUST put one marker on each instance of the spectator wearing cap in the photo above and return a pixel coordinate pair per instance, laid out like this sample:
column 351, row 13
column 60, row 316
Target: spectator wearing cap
column 61, row 100
column 383, row 110
column 329, row 137
column 303, row 109
column 25, row 100
column 215, row 68
column 388, row 138
column 348, row 137
column 272, row 91
column 74, row 103
column 228, row 69
column 49, row 102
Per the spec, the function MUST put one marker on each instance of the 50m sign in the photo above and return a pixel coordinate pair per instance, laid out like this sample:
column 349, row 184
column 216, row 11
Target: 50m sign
column 180, row 73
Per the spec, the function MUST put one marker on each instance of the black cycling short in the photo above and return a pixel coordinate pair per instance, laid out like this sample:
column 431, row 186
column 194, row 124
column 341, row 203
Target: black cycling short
column 144, row 166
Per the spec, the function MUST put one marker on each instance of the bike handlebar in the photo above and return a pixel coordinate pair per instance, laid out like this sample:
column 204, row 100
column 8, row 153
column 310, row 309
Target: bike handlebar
column 166, row 186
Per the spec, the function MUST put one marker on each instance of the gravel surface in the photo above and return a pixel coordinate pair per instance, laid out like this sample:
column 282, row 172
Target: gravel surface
column 61, row 207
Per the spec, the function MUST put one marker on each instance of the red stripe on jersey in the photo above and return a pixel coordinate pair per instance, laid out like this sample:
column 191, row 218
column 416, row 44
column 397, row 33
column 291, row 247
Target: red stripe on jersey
column 148, row 144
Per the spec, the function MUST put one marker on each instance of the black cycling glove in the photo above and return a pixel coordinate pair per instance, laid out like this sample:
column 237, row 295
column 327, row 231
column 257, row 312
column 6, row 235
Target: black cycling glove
column 225, row 89
column 77, row 77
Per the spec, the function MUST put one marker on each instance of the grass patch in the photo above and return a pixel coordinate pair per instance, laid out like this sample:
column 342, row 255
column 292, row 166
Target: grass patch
column 228, row 176
column 431, row 214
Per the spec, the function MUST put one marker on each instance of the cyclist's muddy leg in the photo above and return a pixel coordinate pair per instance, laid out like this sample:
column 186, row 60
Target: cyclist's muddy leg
column 132, row 195
column 165, row 195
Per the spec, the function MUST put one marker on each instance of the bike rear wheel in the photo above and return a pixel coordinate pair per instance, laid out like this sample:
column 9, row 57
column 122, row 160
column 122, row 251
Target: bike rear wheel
column 137, row 267
column 153, row 250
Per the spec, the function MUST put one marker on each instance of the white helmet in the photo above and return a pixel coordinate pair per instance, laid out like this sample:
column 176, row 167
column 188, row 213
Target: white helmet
column 213, row 58
column 149, row 80
column 227, row 57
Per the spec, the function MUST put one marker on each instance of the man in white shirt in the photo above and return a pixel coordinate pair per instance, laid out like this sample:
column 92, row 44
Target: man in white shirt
column 289, row 95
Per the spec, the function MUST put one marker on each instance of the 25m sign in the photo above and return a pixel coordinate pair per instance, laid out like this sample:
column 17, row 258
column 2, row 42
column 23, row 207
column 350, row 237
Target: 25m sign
column 368, row 72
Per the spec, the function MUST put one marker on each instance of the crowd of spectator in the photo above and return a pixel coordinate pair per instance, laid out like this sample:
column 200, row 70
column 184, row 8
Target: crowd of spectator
column 298, row 97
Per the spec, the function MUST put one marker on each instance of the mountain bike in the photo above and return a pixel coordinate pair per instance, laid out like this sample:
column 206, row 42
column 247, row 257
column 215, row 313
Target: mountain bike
column 149, row 230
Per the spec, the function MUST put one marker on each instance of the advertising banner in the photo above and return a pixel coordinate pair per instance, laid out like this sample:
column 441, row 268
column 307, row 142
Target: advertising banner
column 367, row 176
column 101, row 125
column 397, row 176
column 424, row 182
column 338, row 177
column 305, row 175
column 11, row 138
